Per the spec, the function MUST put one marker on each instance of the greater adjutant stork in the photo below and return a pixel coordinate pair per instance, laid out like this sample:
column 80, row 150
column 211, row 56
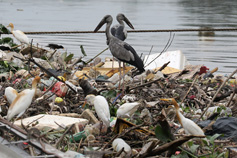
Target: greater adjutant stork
column 119, row 30
column 120, row 49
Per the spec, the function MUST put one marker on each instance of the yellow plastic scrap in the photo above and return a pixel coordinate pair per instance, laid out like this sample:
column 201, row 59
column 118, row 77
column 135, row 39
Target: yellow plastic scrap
column 62, row 78
column 112, row 72
column 150, row 76
column 58, row 100
column 103, row 71
column 168, row 70
column 116, row 70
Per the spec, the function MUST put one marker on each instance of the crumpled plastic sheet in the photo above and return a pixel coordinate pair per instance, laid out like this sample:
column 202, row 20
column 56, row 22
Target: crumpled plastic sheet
column 226, row 126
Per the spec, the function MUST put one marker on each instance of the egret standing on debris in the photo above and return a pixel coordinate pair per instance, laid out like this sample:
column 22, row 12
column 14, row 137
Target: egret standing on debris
column 22, row 100
column 119, row 30
column 120, row 49
column 10, row 94
column 189, row 126
column 127, row 109
column 19, row 35
column 101, row 107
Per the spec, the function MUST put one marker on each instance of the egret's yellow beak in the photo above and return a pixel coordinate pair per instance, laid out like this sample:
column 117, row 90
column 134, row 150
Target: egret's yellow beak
column 84, row 104
column 5, row 97
column 164, row 99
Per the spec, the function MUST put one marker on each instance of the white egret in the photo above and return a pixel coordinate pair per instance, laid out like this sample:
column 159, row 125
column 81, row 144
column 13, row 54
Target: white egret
column 127, row 109
column 19, row 35
column 189, row 126
column 101, row 107
column 10, row 94
column 22, row 100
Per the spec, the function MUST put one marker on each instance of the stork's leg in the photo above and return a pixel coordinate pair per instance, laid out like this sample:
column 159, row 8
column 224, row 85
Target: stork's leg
column 113, row 64
column 123, row 77
column 119, row 74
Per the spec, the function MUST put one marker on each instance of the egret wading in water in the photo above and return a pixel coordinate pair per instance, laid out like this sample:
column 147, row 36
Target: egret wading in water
column 120, row 49
column 101, row 107
column 119, row 30
column 19, row 35
column 22, row 101
column 189, row 126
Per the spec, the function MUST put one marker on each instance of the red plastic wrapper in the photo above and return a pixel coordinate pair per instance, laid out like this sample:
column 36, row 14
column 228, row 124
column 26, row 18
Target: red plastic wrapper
column 60, row 89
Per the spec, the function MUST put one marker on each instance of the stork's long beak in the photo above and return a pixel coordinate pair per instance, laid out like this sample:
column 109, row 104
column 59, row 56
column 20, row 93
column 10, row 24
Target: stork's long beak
column 128, row 22
column 102, row 22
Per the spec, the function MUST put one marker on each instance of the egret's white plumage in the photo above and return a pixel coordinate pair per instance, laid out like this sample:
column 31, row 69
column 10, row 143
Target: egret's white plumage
column 22, row 100
column 101, row 107
column 10, row 94
column 189, row 126
column 127, row 109
column 19, row 35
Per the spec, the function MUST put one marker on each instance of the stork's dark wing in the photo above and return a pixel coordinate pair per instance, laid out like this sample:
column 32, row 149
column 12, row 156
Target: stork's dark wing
column 136, row 61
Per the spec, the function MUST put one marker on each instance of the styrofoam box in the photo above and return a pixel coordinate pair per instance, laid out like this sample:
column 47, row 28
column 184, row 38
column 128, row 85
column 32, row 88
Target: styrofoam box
column 176, row 58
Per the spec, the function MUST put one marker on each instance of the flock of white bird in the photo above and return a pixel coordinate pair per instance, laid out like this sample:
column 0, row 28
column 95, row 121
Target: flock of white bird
column 19, row 102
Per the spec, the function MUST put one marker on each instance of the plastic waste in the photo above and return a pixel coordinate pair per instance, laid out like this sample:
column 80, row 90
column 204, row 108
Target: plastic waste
column 118, row 144
column 226, row 126
column 224, row 112
column 78, row 136
column 114, row 79
column 58, row 100
column 60, row 89
column 71, row 85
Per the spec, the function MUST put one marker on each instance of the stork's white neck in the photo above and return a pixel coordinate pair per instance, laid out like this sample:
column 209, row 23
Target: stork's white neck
column 107, row 31
column 121, row 22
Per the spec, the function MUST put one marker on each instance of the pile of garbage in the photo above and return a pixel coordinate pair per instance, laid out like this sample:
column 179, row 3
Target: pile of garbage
column 139, row 123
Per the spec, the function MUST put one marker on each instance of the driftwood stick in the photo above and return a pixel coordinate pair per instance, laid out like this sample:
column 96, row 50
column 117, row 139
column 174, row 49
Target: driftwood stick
column 52, row 54
column 96, row 55
column 232, row 96
column 162, row 67
column 169, row 145
column 189, row 89
column 216, row 94
column 61, row 138
column 145, row 84
column 79, row 145
column 45, row 70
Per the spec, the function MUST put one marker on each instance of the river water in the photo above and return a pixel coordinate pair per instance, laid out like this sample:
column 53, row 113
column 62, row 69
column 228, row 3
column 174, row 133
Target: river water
column 84, row 15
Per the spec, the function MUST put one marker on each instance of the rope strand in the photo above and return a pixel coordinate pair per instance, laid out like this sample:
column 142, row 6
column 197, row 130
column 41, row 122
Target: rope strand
column 133, row 31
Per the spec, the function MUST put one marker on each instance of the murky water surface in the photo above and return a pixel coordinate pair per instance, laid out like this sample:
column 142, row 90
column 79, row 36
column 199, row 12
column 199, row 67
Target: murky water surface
column 80, row 15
